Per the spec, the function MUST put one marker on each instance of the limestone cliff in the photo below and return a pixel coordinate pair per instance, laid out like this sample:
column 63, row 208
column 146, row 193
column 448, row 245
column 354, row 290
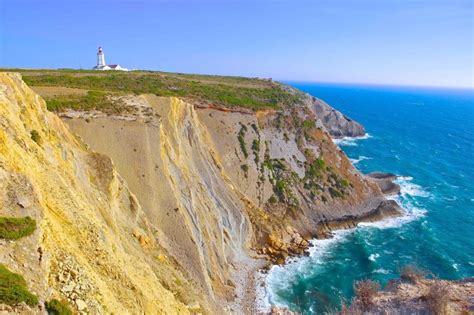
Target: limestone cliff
column 94, row 246
column 173, row 203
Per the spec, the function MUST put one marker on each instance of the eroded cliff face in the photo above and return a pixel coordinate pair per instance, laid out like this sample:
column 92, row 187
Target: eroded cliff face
column 275, row 178
column 178, row 202
column 94, row 245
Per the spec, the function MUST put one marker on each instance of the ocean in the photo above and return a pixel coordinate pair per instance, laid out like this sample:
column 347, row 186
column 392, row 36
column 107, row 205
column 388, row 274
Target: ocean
column 424, row 135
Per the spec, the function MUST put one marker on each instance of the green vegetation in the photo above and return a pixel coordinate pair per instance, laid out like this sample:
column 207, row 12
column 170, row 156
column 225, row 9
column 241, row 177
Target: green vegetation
column 256, row 150
column 272, row 199
column 97, row 100
column 282, row 180
column 344, row 183
column 13, row 289
column 245, row 168
column 320, row 177
column 316, row 168
column 255, row 128
column 308, row 124
column 15, row 228
column 56, row 307
column 241, row 137
column 35, row 136
column 335, row 193
column 226, row 91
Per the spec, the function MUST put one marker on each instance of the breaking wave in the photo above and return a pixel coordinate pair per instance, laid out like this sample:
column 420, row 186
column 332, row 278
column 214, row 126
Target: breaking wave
column 350, row 141
column 360, row 159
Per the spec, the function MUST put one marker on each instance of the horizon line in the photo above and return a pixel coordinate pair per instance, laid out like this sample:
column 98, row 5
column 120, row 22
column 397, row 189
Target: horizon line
column 450, row 87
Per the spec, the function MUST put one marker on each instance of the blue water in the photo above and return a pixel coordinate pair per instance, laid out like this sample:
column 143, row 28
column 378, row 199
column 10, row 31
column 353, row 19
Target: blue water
column 424, row 135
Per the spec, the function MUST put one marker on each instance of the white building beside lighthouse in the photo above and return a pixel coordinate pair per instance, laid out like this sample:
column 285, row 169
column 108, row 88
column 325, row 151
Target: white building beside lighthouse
column 101, row 65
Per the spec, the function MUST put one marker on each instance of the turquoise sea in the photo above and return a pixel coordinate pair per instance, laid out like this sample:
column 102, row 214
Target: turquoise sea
column 425, row 136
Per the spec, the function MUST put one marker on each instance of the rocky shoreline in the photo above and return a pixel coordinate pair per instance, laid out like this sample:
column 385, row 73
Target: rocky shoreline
column 298, row 246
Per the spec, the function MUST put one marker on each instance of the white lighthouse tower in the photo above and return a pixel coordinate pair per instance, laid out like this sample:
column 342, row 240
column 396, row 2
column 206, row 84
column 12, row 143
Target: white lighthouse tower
column 100, row 58
column 101, row 65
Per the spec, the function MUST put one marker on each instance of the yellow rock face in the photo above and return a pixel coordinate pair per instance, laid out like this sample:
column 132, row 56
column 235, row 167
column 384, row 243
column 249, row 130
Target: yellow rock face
column 94, row 247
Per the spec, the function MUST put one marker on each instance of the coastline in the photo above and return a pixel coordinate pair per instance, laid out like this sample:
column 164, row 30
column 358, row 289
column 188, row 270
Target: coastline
column 317, row 247
column 333, row 232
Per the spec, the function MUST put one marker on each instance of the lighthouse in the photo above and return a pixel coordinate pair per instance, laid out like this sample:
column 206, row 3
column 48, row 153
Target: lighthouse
column 100, row 58
column 101, row 65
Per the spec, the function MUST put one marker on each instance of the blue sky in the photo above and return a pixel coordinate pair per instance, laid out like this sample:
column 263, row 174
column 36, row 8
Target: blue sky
column 401, row 42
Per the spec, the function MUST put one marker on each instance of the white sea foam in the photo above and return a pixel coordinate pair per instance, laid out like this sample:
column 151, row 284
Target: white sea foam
column 350, row 141
column 382, row 271
column 454, row 198
column 407, row 188
column 284, row 277
column 361, row 158
column 373, row 257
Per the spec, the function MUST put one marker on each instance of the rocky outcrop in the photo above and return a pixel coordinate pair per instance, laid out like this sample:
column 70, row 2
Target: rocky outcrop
column 337, row 124
column 385, row 182
column 424, row 296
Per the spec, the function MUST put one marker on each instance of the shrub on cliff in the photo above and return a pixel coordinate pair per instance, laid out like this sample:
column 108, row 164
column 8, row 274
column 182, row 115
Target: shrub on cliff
column 241, row 138
column 56, row 307
column 15, row 228
column 35, row 136
column 365, row 291
column 13, row 288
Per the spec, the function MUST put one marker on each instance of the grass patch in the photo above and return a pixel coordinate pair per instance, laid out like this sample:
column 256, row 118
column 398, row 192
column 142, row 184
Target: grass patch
column 309, row 124
column 56, row 307
column 226, row 91
column 13, row 289
column 15, row 228
column 93, row 100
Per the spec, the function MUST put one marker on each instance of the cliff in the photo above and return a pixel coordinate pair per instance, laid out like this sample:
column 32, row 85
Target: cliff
column 93, row 246
column 165, row 204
